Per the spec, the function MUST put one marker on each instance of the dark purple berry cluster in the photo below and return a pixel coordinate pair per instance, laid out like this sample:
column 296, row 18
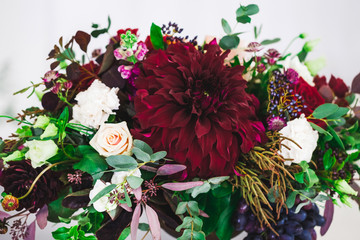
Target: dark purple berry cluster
column 290, row 226
column 282, row 100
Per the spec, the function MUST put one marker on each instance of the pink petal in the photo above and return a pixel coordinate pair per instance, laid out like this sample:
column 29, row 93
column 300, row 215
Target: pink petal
column 4, row 215
column 138, row 192
column 328, row 215
column 170, row 169
column 181, row 186
column 153, row 222
column 30, row 231
column 41, row 217
column 126, row 207
column 203, row 214
column 135, row 221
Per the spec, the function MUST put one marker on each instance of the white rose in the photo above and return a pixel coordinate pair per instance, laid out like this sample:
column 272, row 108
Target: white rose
column 40, row 151
column 300, row 131
column 112, row 139
column 300, row 68
column 41, row 122
column 103, row 204
column 50, row 131
column 95, row 105
column 120, row 177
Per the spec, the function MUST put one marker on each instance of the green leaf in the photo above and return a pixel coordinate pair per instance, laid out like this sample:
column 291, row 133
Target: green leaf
column 2, row 145
column 320, row 129
column 300, row 205
column 336, row 138
column 339, row 113
column 94, row 25
column 61, row 234
column 125, row 233
column 199, row 235
column 56, row 209
column 103, row 192
column 186, row 235
column 64, row 220
column 141, row 155
column 122, row 162
column 127, row 199
column 299, row 177
column 158, row 155
column 96, row 219
column 194, row 208
column 24, row 131
column 290, row 200
column 134, row 181
column 325, row 110
column 91, row 161
column 181, row 208
column 350, row 98
column 143, row 146
column 225, row 25
column 223, row 190
column 98, row 32
column 218, row 180
column 185, row 224
column 311, row 178
column 144, row 226
column 270, row 41
column 156, row 37
column 229, row 42
column 353, row 128
column 109, row 23
column 200, row 189
column 243, row 19
column 250, row 9
column 224, row 227
column 328, row 159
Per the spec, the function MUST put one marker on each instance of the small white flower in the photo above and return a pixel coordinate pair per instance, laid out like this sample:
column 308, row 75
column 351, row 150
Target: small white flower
column 112, row 139
column 41, row 122
column 103, row 204
column 300, row 131
column 50, row 131
column 40, row 151
column 120, row 177
column 95, row 105
column 300, row 68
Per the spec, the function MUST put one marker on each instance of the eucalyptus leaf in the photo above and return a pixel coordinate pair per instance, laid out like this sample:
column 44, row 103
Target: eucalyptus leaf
column 103, row 192
column 336, row 138
column 127, row 199
column 181, row 208
column 218, row 180
column 290, row 200
column 141, row 155
column 143, row 146
column 339, row 113
column 134, row 181
column 204, row 188
column 229, row 42
column 270, row 41
column 325, row 110
column 226, row 26
column 158, row 155
column 123, row 162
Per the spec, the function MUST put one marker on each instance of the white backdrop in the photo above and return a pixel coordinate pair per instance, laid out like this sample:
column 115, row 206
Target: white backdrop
column 29, row 29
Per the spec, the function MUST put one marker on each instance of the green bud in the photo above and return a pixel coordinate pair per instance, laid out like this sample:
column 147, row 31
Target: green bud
column 346, row 200
column 303, row 35
column 310, row 45
column 314, row 66
column 343, row 187
column 15, row 156
column 50, row 131
column 42, row 122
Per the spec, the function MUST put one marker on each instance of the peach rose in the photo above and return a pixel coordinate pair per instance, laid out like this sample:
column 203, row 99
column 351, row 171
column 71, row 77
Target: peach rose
column 112, row 139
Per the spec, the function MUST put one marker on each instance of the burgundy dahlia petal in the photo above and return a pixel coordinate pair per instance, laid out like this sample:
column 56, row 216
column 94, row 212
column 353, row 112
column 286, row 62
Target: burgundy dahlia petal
column 196, row 108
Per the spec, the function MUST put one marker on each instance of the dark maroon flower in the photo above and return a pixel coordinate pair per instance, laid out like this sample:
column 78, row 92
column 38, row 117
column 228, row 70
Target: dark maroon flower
column 338, row 86
column 88, row 73
column 19, row 176
column 292, row 75
column 191, row 105
column 311, row 96
column 319, row 81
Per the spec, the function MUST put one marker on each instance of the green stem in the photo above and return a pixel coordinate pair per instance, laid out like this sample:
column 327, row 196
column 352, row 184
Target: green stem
column 42, row 173
column 288, row 46
column 15, row 119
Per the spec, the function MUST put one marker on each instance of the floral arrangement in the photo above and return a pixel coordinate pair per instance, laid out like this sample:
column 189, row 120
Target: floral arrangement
column 207, row 140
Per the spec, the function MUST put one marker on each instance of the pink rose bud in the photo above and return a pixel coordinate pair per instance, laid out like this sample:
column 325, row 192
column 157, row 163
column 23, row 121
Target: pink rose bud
column 68, row 85
column 125, row 71
column 56, row 88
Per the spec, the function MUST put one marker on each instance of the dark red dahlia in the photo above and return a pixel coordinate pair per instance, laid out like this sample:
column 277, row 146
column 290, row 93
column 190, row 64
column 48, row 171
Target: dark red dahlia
column 191, row 105
column 18, row 177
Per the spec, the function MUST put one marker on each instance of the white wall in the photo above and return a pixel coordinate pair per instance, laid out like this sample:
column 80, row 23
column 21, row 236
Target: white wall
column 29, row 29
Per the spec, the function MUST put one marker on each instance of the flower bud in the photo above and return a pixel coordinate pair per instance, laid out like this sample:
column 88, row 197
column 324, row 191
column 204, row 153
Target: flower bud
column 303, row 35
column 343, row 187
column 10, row 203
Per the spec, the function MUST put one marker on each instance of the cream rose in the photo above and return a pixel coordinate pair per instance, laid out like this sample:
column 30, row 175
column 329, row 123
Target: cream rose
column 112, row 139
column 95, row 105
column 103, row 204
column 300, row 131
